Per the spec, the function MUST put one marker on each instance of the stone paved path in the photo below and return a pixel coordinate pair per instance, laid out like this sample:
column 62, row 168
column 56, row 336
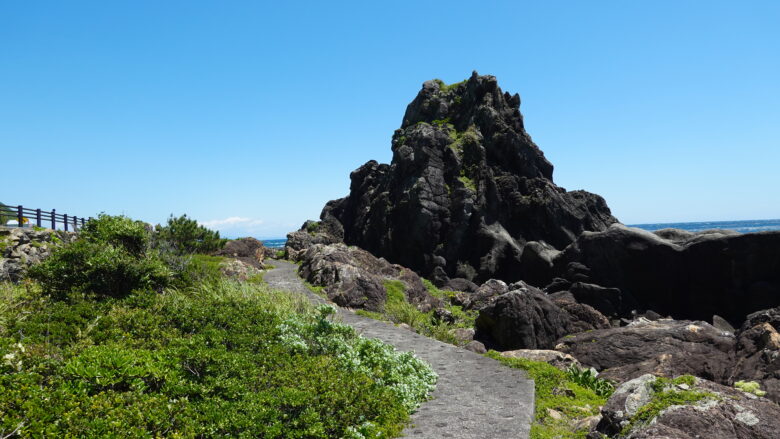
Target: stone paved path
column 475, row 396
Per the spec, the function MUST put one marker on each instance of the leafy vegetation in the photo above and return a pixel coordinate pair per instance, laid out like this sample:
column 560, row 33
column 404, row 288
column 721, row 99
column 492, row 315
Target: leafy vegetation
column 100, row 355
column 589, row 379
column 184, row 235
column 555, row 390
column 111, row 258
column 445, row 87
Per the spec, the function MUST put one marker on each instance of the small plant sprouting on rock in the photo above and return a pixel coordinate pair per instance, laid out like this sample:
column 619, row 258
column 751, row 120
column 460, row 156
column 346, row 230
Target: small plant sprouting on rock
column 589, row 379
column 750, row 387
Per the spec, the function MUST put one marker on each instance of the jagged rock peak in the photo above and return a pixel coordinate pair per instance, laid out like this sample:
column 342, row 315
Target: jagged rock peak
column 477, row 105
column 468, row 194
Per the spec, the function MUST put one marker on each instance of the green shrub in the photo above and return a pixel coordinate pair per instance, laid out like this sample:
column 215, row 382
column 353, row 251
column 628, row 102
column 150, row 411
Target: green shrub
column 110, row 258
column 222, row 359
column 118, row 231
column 185, row 236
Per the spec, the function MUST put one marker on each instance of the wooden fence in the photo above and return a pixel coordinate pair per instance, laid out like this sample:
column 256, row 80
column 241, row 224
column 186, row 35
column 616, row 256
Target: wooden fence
column 41, row 218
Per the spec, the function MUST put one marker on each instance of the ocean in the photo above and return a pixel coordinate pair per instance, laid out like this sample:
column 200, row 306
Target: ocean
column 748, row 226
column 274, row 243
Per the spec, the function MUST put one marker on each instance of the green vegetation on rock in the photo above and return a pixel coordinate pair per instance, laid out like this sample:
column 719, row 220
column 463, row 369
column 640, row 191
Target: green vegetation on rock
column 666, row 393
column 750, row 387
column 555, row 391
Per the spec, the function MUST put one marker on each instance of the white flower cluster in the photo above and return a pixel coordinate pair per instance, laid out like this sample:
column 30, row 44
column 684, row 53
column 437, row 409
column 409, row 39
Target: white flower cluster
column 410, row 378
column 13, row 359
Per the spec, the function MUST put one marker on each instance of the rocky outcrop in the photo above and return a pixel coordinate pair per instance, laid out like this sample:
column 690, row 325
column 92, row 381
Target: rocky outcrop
column 686, row 409
column 682, row 274
column 664, row 347
column 354, row 278
column 22, row 247
column 250, row 251
column 325, row 232
column 758, row 351
column 468, row 194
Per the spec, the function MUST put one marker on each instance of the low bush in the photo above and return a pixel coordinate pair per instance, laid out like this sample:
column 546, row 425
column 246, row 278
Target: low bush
column 110, row 258
column 221, row 359
column 100, row 269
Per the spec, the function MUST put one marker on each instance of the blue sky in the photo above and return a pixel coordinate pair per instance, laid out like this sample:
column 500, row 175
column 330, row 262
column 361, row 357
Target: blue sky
column 249, row 116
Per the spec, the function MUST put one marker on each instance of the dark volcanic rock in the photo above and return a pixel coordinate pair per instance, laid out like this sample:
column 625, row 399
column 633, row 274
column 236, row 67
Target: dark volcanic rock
column 758, row 351
column 723, row 413
column 355, row 278
column 664, row 347
column 687, row 275
column 582, row 317
column 466, row 192
column 523, row 319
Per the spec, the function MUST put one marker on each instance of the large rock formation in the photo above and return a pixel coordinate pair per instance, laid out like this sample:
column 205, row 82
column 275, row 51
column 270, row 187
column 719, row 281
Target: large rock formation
column 672, row 272
column 468, row 194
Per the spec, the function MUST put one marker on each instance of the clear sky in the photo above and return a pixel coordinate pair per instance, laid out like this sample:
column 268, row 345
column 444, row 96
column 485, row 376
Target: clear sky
column 250, row 115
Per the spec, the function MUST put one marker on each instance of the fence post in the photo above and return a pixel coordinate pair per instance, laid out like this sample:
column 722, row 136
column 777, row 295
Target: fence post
column 75, row 223
column 65, row 221
column 53, row 219
column 19, row 215
column 38, row 217
column 82, row 222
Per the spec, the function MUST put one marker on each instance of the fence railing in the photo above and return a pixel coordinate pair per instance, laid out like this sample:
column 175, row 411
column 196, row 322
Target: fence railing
column 42, row 218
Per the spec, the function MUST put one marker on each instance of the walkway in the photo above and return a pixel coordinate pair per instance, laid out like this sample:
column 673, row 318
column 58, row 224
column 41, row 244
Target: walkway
column 475, row 397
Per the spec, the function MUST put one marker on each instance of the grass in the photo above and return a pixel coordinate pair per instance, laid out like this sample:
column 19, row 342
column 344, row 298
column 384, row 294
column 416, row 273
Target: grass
column 398, row 310
column 555, row 390
column 316, row 289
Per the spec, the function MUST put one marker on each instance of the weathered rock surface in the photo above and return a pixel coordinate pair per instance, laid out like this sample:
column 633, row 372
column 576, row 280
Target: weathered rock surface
column 522, row 319
column 22, row 247
column 758, row 351
column 682, row 274
column 248, row 250
column 664, row 347
column 310, row 233
column 724, row 413
column 354, row 278
column 468, row 194
column 236, row 268
column 582, row 317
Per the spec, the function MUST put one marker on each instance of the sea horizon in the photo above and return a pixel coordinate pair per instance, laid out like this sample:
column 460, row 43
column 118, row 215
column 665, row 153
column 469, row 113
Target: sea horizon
column 741, row 226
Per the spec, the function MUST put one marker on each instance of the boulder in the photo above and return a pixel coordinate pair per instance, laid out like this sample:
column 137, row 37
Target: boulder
column 663, row 347
column 523, row 319
column 486, row 293
column 703, row 409
column 467, row 194
column 354, row 278
column 250, row 251
column 582, row 317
